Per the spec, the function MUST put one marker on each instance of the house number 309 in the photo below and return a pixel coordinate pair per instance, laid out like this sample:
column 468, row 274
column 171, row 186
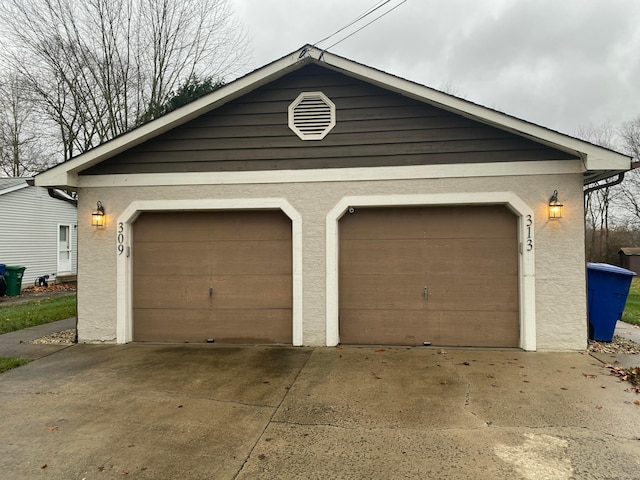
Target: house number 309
column 120, row 238
column 529, row 239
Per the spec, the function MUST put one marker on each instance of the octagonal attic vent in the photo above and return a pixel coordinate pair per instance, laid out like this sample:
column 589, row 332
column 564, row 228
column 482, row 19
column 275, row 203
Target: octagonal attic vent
column 312, row 116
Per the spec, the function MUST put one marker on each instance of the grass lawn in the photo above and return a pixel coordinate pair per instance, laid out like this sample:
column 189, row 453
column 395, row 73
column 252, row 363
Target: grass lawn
column 632, row 308
column 37, row 312
column 7, row 363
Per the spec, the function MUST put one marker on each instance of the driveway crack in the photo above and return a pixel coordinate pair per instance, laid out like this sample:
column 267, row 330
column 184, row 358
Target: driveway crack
column 275, row 411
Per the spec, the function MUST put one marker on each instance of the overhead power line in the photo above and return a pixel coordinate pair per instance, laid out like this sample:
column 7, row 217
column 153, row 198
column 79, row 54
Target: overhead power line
column 359, row 18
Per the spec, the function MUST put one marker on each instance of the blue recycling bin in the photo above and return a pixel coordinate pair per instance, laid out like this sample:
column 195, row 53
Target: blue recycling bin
column 2, row 269
column 608, row 288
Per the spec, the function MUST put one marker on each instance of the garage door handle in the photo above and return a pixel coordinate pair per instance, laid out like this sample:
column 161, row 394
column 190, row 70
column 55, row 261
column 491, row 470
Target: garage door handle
column 210, row 292
column 426, row 292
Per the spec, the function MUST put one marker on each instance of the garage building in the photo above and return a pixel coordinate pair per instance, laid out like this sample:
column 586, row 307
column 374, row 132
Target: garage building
column 317, row 201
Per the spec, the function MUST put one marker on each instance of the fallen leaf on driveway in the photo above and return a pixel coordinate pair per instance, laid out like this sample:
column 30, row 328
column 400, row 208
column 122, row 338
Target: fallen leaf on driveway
column 442, row 351
column 381, row 350
column 637, row 402
column 589, row 375
column 44, row 466
column 631, row 375
column 52, row 428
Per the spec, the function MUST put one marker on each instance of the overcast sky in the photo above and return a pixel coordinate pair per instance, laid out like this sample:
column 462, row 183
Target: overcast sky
column 563, row 64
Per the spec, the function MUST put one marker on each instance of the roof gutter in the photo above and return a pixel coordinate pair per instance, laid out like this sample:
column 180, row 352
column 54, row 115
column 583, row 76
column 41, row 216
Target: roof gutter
column 53, row 193
column 617, row 181
column 605, row 185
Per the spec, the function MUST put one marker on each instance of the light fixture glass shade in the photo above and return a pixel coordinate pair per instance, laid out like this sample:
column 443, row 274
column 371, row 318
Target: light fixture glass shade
column 97, row 217
column 555, row 207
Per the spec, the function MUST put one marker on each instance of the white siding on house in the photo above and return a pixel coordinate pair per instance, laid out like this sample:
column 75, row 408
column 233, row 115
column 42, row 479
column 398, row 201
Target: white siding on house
column 29, row 220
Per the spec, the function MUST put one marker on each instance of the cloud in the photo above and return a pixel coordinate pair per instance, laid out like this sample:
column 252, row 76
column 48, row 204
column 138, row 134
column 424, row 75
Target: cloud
column 559, row 64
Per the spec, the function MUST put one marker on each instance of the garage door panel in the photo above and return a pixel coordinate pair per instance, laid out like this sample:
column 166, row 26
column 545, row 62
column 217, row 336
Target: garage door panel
column 252, row 326
column 218, row 225
column 258, row 257
column 385, row 327
column 247, row 226
column 178, row 258
column 433, row 255
column 392, row 256
column 480, row 292
column 172, row 227
column 171, row 291
column 431, row 222
column 252, row 291
column 171, row 325
column 468, row 329
column 464, row 255
column 183, row 258
column 403, row 291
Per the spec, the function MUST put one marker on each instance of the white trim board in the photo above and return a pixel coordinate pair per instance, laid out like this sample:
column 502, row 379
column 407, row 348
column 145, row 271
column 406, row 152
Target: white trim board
column 511, row 200
column 124, row 279
column 552, row 167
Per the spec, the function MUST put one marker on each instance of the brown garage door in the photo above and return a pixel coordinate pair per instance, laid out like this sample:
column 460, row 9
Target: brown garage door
column 225, row 276
column 444, row 275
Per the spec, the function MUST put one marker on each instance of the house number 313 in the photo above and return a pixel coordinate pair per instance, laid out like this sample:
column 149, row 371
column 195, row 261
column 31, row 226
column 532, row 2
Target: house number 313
column 529, row 239
column 120, row 238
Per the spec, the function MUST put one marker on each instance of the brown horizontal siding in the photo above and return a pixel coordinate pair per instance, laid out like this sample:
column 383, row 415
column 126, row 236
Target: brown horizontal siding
column 374, row 127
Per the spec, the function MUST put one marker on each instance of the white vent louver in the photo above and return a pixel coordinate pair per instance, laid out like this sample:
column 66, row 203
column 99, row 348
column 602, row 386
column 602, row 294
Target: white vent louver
column 312, row 116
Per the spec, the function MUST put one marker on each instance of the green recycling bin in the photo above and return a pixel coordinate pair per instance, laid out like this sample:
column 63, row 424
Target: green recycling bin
column 13, row 276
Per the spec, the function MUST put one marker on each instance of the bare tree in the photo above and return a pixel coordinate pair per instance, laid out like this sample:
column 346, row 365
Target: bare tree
column 100, row 67
column 630, row 134
column 598, row 204
column 20, row 146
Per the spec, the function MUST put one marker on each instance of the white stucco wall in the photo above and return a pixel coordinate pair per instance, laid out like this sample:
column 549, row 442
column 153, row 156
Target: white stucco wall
column 559, row 245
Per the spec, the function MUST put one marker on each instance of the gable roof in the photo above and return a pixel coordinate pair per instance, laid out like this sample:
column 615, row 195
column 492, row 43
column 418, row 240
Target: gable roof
column 11, row 184
column 598, row 162
column 629, row 251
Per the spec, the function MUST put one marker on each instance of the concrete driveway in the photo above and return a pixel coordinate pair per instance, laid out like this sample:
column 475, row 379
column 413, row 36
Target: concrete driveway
column 211, row 412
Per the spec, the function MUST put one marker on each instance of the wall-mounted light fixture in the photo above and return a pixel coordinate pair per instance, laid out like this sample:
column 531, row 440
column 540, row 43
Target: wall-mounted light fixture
column 555, row 207
column 97, row 217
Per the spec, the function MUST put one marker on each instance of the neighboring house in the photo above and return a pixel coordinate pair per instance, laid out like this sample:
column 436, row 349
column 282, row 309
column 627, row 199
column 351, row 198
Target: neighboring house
column 630, row 258
column 37, row 231
column 318, row 201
